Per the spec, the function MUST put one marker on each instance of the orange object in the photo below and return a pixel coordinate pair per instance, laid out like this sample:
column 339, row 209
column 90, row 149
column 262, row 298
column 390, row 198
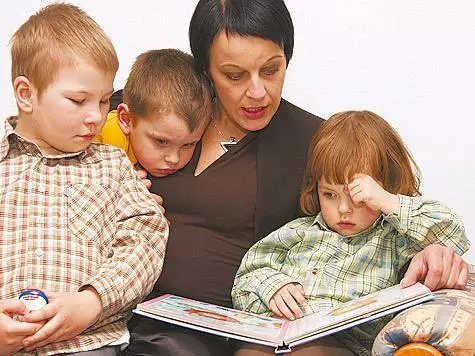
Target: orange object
column 418, row 349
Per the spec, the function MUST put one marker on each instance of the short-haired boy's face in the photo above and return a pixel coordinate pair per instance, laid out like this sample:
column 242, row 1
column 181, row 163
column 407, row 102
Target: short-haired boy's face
column 72, row 110
column 340, row 213
column 163, row 143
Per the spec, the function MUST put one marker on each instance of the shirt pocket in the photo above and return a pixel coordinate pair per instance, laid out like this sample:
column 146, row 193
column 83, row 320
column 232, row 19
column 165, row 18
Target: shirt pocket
column 91, row 212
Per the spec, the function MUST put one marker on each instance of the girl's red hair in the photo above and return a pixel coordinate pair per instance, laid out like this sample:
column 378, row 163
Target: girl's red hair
column 353, row 142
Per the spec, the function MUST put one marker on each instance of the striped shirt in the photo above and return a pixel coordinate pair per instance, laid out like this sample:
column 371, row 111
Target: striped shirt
column 75, row 220
column 334, row 269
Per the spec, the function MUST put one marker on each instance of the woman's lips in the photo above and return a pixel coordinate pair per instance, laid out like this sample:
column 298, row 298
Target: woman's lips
column 254, row 113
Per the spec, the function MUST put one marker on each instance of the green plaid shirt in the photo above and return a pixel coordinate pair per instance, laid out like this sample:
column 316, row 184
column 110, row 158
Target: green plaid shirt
column 334, row 269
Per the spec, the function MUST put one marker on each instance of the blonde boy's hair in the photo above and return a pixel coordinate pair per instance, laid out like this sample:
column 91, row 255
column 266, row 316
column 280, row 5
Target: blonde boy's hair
column 354, row 142
column 164, row 81
column 54, row 38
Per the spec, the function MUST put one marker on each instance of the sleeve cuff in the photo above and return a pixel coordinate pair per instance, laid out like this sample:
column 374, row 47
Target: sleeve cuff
column 108, row 292
column 271, row 285
column 402, row 219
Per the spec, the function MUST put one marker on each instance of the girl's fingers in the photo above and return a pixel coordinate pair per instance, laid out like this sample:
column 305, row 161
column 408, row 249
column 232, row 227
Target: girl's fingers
column 283, row 308
column 274, row 308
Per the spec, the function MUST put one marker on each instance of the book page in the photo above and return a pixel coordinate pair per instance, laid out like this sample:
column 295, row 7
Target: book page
column 217, row 317
column 353, row 310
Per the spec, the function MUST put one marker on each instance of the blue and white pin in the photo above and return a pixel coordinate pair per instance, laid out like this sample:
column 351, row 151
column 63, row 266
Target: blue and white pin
column 33, row 299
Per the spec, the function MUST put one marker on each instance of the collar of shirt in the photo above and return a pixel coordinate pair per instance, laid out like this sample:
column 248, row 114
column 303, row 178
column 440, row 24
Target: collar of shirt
column 87, row 156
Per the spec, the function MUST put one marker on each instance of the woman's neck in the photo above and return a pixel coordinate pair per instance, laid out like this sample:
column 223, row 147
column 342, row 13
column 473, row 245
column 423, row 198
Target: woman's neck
column 221, row 133
column 226, row 126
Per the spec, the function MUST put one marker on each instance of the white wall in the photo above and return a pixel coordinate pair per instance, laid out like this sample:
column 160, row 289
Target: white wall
column 412, row 61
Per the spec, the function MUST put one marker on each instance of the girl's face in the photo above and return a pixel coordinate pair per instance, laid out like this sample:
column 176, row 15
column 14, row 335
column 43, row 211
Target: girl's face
column 248, row 74
column 340, row 213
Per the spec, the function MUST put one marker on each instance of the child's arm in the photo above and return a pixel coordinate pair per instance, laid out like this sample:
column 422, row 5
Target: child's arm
column 423, row 225
column 259, row 276
column 122, row 280
column 363, row 189
column 137, row 254
column 425, row 222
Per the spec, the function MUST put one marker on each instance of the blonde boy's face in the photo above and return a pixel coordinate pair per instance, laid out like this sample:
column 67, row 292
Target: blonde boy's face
column 162, row 143
column 71, row 111
column 340, row 213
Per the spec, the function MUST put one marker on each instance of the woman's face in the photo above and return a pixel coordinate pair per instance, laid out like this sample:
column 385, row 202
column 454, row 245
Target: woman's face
column 248, row 74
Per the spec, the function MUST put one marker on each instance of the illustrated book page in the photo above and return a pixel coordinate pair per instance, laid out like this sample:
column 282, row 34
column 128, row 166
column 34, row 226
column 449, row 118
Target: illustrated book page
column 277, row 332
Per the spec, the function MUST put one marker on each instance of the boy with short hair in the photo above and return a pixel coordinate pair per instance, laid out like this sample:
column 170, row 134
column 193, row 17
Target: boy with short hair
column 76, row 220
column 166, row 107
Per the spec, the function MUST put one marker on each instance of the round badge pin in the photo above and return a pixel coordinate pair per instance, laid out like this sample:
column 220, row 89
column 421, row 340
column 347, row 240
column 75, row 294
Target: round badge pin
column 33, row 299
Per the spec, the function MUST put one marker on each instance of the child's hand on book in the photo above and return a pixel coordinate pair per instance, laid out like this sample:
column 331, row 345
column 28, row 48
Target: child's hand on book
column 363, row 189
column 288, row 300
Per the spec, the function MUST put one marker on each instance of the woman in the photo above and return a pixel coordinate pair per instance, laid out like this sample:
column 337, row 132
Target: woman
column 244, row 178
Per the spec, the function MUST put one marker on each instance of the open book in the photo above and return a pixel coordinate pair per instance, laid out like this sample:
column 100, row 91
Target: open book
column 278, row 333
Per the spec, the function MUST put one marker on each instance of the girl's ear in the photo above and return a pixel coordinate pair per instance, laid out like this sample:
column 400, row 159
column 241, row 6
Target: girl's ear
column 24, row 92
column 124, row 118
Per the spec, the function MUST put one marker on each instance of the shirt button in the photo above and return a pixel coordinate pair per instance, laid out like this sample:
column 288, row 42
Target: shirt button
column 41, row 188
column 39, row 252
column 314, row 271
column 44, row 160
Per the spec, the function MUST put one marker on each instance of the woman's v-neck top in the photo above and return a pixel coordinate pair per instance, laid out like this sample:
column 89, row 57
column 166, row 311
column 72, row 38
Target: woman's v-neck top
column 212, row 223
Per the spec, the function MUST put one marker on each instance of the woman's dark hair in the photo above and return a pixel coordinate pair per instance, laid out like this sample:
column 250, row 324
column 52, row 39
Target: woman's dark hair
column 267, row 19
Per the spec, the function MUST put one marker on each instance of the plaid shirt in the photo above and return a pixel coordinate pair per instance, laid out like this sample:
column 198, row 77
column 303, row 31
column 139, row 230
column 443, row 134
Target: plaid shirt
column 334, row 269
column 77, row 220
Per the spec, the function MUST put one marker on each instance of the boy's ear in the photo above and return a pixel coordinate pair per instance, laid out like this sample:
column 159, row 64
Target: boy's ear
column 124, row 118
column 24, row 91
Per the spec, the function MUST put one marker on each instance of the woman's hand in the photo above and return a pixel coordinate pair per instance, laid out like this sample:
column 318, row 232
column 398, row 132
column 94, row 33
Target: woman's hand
column 363, row 189
column 286, row 302
column 437, row 267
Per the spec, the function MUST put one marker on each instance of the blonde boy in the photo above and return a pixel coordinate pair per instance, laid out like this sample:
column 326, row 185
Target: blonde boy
column 76, row 221
column 166, row 107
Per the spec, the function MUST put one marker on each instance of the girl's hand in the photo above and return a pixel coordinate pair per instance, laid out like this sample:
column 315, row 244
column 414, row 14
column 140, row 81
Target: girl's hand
column 363, row 189
column 67, row 315
column 286, row 302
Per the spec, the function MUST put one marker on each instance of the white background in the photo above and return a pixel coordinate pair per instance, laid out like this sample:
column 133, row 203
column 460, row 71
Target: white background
column 411, row 61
